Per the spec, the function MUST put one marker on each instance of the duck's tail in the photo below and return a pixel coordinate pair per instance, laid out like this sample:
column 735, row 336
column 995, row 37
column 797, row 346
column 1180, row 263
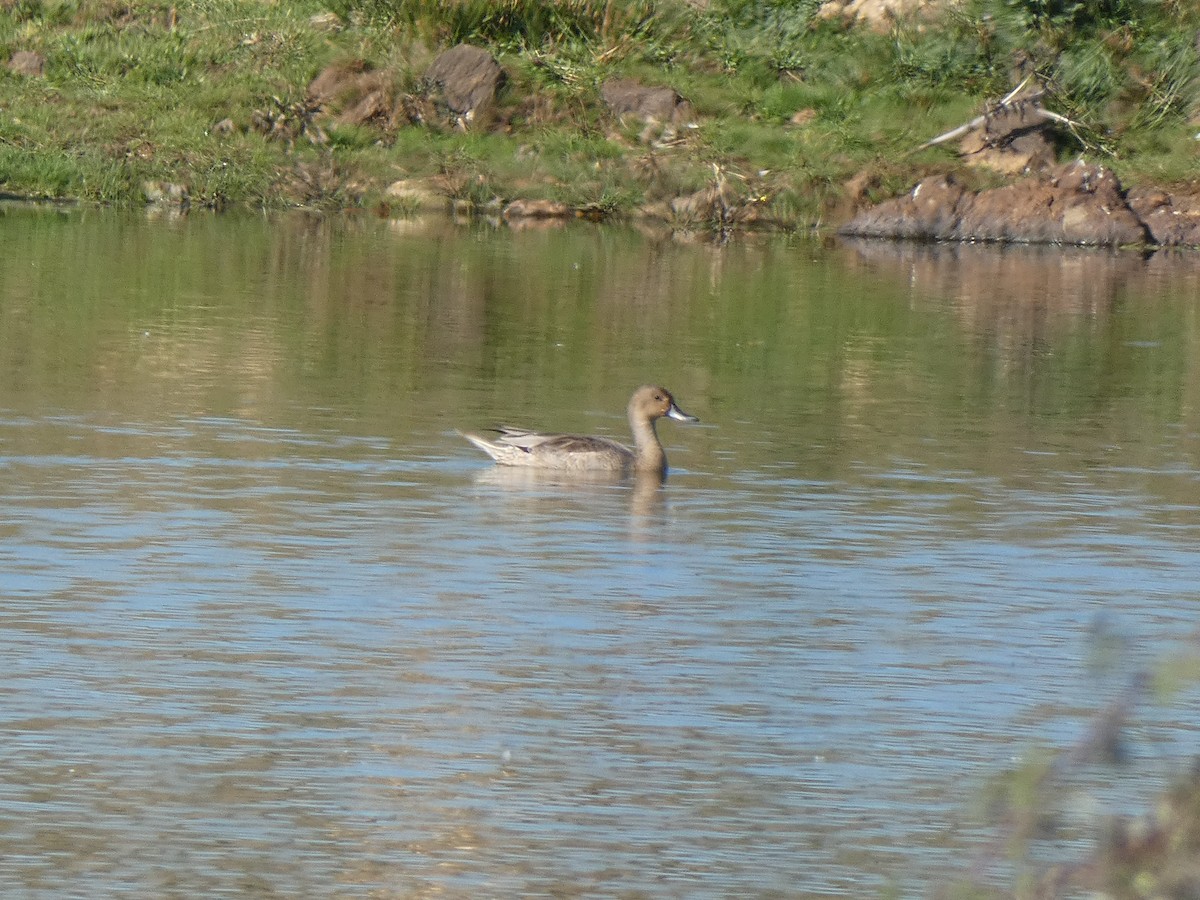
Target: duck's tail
column 488, row 447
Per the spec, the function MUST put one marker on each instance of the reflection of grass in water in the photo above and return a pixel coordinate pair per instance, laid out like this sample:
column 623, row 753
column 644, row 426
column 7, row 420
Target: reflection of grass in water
column 1154, row 854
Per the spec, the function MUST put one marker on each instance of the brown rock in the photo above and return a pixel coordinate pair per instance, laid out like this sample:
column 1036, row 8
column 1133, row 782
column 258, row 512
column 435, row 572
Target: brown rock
column 466, row 81
column 1024, row 155
column 166, row 193
column 881, row 15
column 326, row 22
column 350, row 92
column 537, row 209
column 1014, row 137
column 716, row 206
column 853, row 197
column 803, row 116
column 26, row 62
column 417, row 194
column 1018, row 150
column 928, row 212
column 336, row 81
column 626, row 97
column 373, row 106
column 1172, row 220
column 1076, row 203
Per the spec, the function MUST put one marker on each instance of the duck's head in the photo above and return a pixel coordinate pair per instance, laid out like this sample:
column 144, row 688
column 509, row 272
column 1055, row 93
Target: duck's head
column 651, row 402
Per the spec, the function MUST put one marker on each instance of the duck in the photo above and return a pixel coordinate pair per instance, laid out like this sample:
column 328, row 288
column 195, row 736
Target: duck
column 575, row 452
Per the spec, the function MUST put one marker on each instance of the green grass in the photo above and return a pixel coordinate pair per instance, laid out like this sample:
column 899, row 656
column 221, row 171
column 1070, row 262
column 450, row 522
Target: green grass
column 133, row 91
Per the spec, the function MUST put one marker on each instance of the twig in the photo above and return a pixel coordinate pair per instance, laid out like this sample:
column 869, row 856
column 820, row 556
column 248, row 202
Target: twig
column 951, row 135
column 1007, row 104
column 1015, row 91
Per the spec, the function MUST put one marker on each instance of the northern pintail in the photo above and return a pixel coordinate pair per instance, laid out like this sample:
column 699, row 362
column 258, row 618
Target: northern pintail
column 518, row 447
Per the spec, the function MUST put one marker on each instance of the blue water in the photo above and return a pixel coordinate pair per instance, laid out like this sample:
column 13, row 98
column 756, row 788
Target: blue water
column 273, row 629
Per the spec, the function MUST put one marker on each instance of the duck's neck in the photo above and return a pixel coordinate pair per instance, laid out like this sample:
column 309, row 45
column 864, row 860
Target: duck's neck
column 647, row 449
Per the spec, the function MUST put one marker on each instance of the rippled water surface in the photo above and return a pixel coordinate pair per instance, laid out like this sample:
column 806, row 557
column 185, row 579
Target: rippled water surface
column 270, row 627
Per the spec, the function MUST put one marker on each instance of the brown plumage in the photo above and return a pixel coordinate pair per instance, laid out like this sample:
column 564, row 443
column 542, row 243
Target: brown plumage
column 518, row 447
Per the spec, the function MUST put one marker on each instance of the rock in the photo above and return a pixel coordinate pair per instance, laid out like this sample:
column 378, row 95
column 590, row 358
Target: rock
column 1077, row 203
column 1013, row 141
column 928, row 212
column 338, row 81
column 537, row 209
column 802, row 117
column 416, row 195
column 857, row 189
column 350, row 92
column 663, row 105
column 466, row 81
column 881, row 15
column 1020, row 155
column 1172, row 220
column 706, row 206
column 374, row 106
column 715, row 206
column 326, row 22
column 26, row 62
column 844, row 205
column 166, row 193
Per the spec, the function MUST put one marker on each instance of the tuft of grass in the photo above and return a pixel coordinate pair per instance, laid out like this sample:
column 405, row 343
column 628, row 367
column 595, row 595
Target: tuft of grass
column 516, row 24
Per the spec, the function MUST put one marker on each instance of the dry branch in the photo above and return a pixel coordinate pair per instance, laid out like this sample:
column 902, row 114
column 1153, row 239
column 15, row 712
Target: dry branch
column 1014, row 102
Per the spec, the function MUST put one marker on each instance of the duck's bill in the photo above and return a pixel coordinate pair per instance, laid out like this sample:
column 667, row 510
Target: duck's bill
column 676, row 413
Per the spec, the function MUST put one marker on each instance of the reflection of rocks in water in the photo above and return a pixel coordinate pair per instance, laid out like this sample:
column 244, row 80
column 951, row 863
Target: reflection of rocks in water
column 1017, row 291
column 1078, row 281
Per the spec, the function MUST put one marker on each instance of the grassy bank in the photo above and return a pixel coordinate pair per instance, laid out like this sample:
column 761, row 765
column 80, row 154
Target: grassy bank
column 211, row 94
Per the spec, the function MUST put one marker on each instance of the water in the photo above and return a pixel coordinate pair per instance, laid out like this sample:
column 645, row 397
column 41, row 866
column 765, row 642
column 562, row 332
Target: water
column 270, row 627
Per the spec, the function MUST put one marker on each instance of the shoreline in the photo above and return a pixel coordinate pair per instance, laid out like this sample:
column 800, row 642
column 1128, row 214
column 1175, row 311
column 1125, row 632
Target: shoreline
column 694, row 124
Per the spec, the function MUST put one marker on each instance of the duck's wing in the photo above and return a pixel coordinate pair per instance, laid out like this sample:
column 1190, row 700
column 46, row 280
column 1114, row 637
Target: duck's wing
column 565, row 444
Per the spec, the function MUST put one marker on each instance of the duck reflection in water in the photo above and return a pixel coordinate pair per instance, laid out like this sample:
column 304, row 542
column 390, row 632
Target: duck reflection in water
column 597, row 494
column 583, row 453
